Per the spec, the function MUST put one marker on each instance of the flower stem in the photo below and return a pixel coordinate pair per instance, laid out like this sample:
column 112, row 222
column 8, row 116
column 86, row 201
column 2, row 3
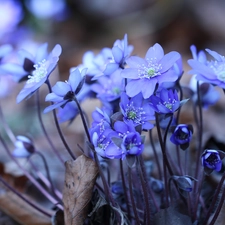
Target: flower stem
column 24, row 199
column 44, row 130
column 31, row 178
column 137, row 221
column 59, row 129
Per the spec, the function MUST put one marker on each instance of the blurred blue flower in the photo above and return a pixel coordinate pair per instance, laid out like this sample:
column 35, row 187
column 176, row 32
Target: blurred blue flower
column 47, row 9
column 40, row 74
column 109, row 88
column 154, row 69
column 212, row 160
column 209, row 95
column 137, row 111
column 24, row 147
column 209, row 71
column 120, row 52
column 182, row 135
column 64, row 92
column 11, row 14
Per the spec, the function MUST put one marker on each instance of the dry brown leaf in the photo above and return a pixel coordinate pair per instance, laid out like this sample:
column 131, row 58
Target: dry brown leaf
column 79, row 182
column 21, row 211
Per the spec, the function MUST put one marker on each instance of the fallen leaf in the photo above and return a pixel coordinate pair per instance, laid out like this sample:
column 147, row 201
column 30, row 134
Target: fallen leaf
column 21, row 211
column 79, row 182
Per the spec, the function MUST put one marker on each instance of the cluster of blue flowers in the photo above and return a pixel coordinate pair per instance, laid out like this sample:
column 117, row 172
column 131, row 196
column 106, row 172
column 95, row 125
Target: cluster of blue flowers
column 137, row 95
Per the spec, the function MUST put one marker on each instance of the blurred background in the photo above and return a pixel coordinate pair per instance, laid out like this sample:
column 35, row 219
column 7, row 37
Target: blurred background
column 81, row 25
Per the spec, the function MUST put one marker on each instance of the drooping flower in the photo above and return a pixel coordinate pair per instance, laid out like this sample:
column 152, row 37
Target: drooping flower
column 24, row 147
column 209, row 95
column 70, row 110
column 64, row 92
column 212, row 160
column 184, row 184
column 182, row 135
column 167, row 102
column 40, row 74
column 209, row 71
column 137, row 111
column 145, row 73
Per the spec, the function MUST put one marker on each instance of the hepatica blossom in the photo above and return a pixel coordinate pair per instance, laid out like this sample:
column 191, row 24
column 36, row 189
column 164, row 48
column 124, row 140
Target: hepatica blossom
column 210, row 71
column 109, row 88
column 64, row 92
column 167, row 102
column 154, row 69
column 40, row 74
column 136, row 111
column 182, row 135
column 212, row 160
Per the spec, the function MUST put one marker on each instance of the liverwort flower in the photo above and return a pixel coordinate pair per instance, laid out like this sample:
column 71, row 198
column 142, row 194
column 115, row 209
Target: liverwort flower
column 210, row 71
column 109, row 88
column 70, row 110
column 40, row 74
column 120, row 52
column 104, row 146
column 212, row 160
column 154, row 69
column 137, row 111
column 182, row 135
column 184, row 183
column 129, row 140
column 167, row 102
column 24, row 147
column 64, row 92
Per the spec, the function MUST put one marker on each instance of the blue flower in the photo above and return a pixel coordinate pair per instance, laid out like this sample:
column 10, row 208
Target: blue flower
column 24, row 147
column 209, row 71
column 120, row 52
column 40, row 74
column 109, row 88
column 145, row 73
column 182, row 135
column 137, row 111
column 70, row 110
column 129, row 140
column 104, row 146
column 25, row 66
column 64, row 92
column 212, row 160
column 167, row 102
column 209, row 95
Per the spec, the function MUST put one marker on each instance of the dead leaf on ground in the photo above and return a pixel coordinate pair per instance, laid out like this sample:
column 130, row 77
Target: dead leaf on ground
column 79, row 182
column 21, row 211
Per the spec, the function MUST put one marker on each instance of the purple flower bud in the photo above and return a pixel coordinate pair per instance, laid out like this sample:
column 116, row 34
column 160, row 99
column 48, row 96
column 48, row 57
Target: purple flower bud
column 184, row 184
column 182, row 135
column 212, row 160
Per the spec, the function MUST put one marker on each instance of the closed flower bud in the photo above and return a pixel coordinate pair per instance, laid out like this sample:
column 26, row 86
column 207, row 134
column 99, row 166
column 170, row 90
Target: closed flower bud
column 23, row 147
column 212, row 160
column 182, row 135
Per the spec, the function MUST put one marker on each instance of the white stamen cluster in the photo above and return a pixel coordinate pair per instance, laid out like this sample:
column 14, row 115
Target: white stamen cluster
column 39, row 72
column 150, row 71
